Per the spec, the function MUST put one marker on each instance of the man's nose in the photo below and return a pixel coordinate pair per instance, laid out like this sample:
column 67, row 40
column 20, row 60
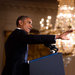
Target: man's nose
column 31, row 26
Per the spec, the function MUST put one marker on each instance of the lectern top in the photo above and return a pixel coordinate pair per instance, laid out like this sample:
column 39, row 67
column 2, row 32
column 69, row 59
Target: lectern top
column 43, row 57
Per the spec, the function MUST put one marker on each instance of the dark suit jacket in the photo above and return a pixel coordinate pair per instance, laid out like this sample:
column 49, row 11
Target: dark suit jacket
column 15, row 48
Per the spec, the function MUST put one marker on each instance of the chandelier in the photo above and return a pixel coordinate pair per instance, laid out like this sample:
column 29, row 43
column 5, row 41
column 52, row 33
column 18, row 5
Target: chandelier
column 65, row 20
column 45, row 25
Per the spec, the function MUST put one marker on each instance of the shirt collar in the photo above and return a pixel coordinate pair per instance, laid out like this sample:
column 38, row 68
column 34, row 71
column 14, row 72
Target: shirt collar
column 18, row 28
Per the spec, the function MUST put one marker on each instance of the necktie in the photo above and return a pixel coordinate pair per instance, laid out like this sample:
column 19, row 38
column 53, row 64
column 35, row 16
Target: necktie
column 26, row 55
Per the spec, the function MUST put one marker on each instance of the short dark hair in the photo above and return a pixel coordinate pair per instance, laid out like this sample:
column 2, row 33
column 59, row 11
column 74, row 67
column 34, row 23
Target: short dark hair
column 21, row 18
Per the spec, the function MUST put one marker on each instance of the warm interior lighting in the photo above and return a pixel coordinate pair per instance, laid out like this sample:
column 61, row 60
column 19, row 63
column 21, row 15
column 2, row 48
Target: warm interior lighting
column 65, row 21
column 45, row 24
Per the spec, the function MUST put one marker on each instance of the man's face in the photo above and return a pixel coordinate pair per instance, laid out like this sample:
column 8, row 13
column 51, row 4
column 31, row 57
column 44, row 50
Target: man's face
column 27, row 25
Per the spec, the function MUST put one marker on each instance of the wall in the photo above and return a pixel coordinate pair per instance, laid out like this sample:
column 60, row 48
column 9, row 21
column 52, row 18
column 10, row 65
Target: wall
column 1, row 48
column 36, row 10
column 70, row 68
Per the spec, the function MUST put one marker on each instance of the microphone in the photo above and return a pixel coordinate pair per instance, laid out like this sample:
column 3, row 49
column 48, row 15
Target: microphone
column 53, row 48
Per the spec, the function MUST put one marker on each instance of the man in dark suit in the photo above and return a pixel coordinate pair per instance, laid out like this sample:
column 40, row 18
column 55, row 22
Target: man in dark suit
column 16, row 46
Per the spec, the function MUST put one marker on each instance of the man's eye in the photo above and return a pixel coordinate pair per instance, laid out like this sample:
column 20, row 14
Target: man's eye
column 30, row 22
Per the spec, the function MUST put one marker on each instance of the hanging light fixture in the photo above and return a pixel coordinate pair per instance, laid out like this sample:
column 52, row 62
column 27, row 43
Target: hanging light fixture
column 45, row 24
column 65, row 21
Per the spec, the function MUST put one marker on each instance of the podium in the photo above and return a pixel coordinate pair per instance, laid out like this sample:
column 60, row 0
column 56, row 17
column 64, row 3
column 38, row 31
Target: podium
column 47, row 65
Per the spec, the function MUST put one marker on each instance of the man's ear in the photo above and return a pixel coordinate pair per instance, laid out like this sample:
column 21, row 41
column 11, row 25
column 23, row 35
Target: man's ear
column 20, row 22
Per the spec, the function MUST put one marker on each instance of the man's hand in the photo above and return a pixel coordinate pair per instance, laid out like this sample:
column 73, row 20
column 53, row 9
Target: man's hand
column 64, row 35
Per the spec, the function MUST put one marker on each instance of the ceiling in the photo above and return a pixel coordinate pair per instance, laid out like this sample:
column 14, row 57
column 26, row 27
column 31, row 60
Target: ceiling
column 42, row 0
column 51, row 1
